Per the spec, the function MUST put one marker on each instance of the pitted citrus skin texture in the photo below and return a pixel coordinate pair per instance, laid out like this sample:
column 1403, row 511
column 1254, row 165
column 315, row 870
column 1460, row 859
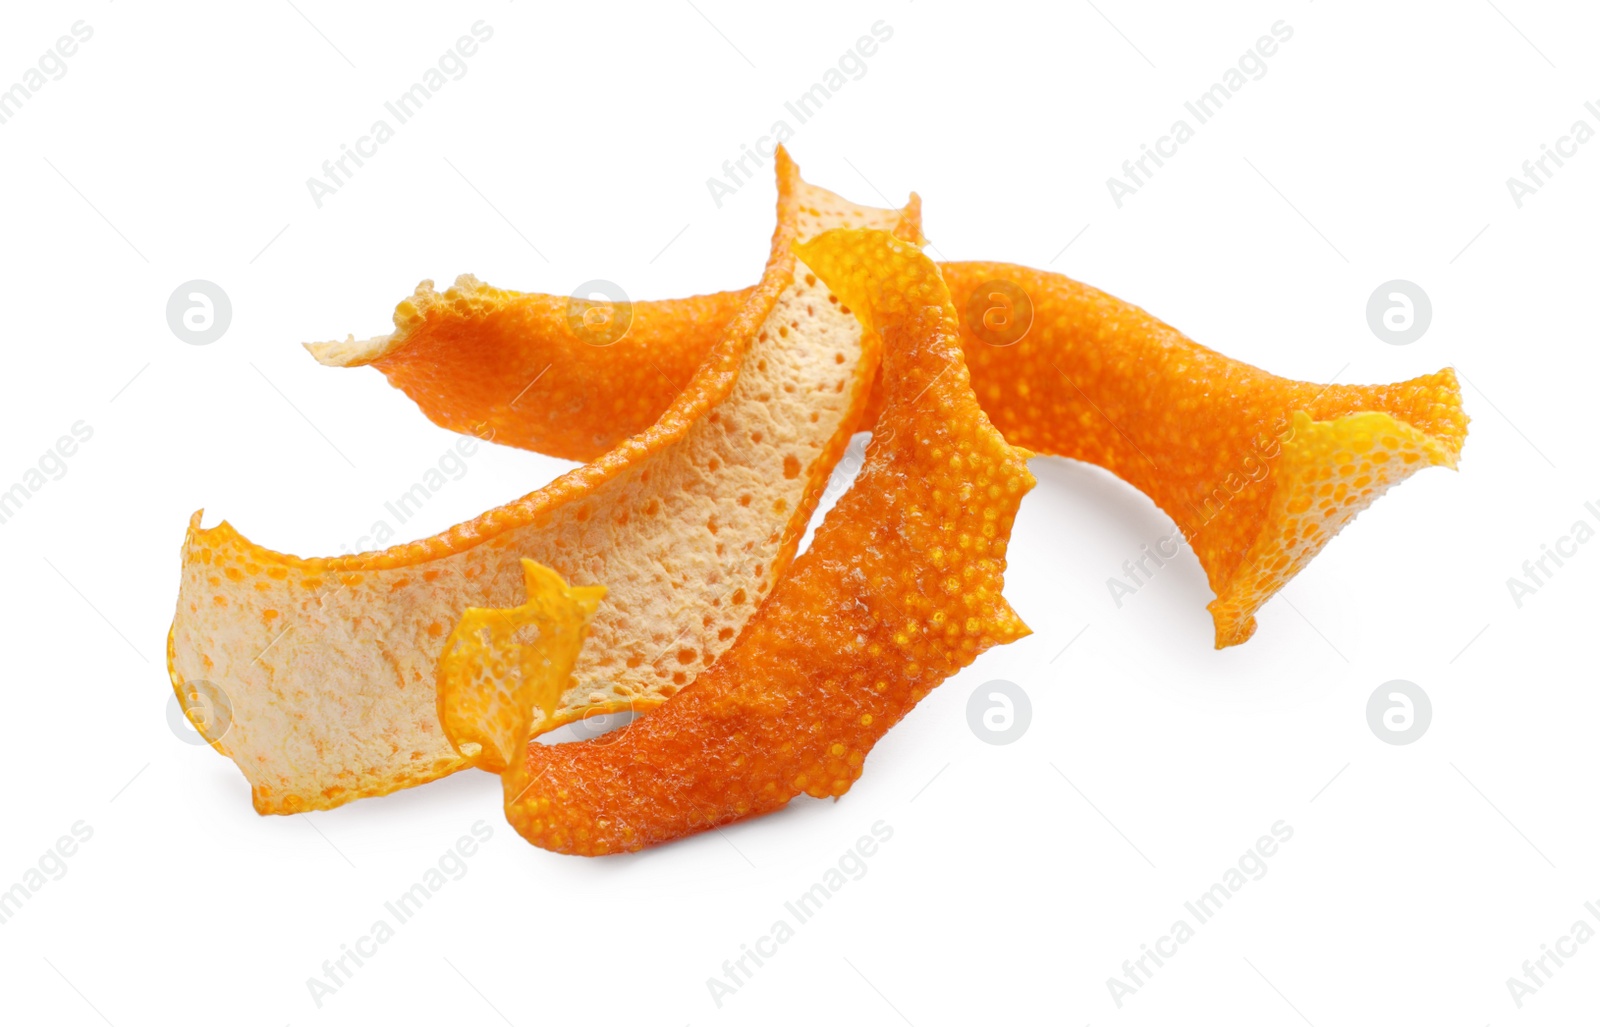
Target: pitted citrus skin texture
column 1211, row 440
column 900, row 588
column 1258, row 471
column 331, row 664
column 482, row 359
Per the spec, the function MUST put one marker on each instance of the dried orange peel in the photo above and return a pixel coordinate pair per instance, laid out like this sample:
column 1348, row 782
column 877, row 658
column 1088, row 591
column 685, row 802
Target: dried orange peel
column 1258, row 471
column 511, row 363
column 900, row 588
column 330, row 664
column 1216, row 443
column 493, row 677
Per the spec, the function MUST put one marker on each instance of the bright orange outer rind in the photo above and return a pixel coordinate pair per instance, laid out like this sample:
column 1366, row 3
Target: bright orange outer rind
column 1211, row 440
column 330, row 664
column 1258, row 471
column 508, row 364
column 900, row 588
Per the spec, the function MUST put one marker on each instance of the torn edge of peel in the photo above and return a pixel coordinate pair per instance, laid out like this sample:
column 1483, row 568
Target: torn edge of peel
column 1392, row 446
column 469, row 293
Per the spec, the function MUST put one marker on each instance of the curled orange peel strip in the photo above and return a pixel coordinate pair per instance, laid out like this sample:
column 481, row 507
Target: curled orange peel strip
column 1259, row 472
column 483, row 359
column 900, row 588
column 330, row 664
column 1219, row 445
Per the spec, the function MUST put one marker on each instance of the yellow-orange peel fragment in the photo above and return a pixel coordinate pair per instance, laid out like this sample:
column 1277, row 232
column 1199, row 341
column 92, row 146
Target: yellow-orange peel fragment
column 330, row 664
column 1218, row 444
column 500, row 666
column 900, row 588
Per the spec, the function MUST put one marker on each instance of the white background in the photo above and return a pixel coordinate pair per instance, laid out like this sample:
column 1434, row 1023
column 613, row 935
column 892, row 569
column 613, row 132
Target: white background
column 1019, row 877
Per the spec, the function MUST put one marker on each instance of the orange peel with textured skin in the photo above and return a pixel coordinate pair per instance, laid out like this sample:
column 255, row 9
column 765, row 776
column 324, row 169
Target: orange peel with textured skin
column 515, row 367
column 330, row 664
column 1259, row 471
column 900, row 588
column 1215, row 443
